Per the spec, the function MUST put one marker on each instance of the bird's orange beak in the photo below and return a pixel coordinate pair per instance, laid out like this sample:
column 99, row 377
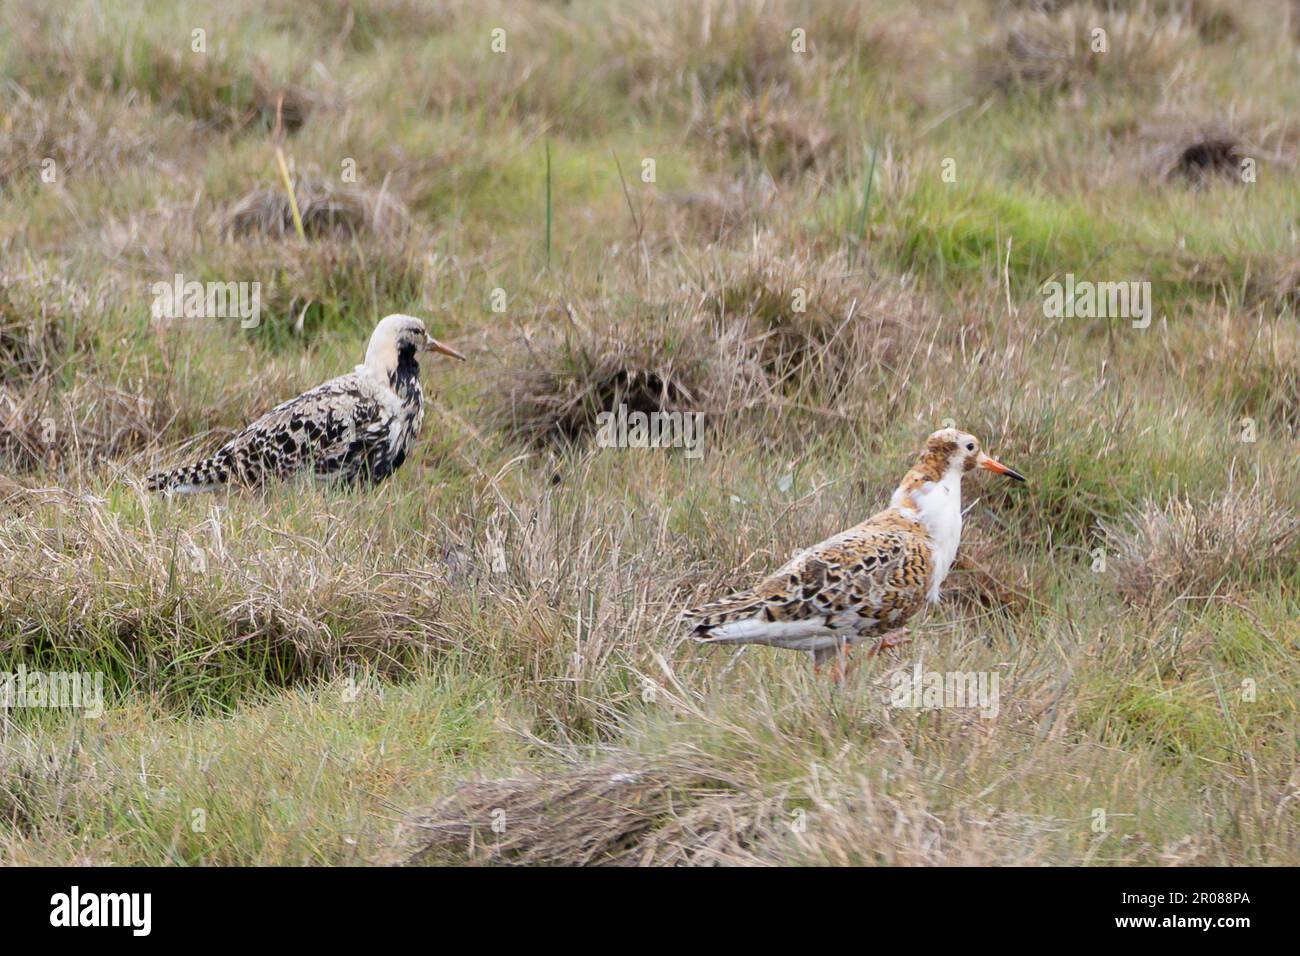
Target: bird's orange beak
column 995, row 466
column 433, row 345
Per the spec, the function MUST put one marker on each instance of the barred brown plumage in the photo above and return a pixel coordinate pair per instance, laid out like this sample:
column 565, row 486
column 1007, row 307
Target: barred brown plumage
column 864, row 582
column 358, row 426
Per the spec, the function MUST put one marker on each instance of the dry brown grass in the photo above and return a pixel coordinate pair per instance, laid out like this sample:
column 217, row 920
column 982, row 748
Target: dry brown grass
column 327, row 208
column 704, row 50
column 741, row 332
column 629, row 812
column 83, row 132
column 1196, row 551
column 144, row 598
column 1052, row 52
column 43, row 323
column 658, row 359
column 1254, row 367
column 1213, row 19
column 679, row 810
column 1196, row 151
column 786, row 139
column 46, row 337
column 84, row 426
column 717, row 211
column 816, row 322
column 674, row 811
column 988, row 576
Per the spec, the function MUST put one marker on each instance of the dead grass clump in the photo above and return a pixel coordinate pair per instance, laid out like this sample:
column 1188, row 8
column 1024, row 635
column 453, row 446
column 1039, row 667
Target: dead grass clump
column 41, row 316
column 1280, row 285
column 1192, row 153
column 41, row 427
column 1054, row 53
column 665, row 50
column 1269, row 280
column 634, row 813
column 750, row 333
column 714, row 212
column 813, row 321
column 335, row 284
column 81, row 133
column 1197, row 551
column 720, row 47
column 211, row 89
column 78, row 53
column 101, row 416
column 326, row 209
column 28, row 776
column 361, row 25
column 785, row 138
column 1206, row 158
column 1212, row 19
column 663, row 360
column 855, row 822
column 669, row 811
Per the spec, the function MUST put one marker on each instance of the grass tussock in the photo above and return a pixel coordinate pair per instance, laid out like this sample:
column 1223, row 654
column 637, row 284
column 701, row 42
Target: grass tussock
column 92, row 422
column 630, row 812
column 762, row 330
column 1200, row 152
column 677, row 812
column 327, row 209
column 210, row 87
column 43, row 323
column 1254, row 369
column 72, row 135
column 1198, row 551
column 1052, row 53
column 227, row 609
column 783, row 138
column 813, row 320
column 660, row 360
column 328, row 285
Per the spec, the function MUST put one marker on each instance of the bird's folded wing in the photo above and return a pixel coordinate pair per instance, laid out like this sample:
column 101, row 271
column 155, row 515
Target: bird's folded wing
column 339, row 426
column 845, row 573
column 845, row 577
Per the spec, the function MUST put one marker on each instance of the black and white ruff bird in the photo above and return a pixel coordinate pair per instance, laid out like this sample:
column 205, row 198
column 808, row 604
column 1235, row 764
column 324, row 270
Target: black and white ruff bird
column 358, row 426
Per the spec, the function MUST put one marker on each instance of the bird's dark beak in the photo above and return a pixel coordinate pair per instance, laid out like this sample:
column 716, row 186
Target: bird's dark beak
column 995, row 466
column 433, row 345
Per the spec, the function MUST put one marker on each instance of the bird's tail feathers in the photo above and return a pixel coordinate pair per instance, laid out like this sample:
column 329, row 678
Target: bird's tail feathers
column 208, row 474
column 703, row 619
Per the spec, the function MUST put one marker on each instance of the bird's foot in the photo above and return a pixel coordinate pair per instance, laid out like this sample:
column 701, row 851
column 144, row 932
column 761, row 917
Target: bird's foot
column 834, row 661
column 894, row 638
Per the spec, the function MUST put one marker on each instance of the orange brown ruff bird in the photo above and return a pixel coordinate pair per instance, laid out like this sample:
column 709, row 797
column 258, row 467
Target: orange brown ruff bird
column 864, row 582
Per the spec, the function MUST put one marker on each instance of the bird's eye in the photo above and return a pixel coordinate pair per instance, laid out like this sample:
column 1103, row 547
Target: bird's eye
column 970, row 446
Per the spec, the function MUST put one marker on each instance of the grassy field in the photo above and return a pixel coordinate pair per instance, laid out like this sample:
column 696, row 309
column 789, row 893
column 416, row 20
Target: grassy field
column 826, row 227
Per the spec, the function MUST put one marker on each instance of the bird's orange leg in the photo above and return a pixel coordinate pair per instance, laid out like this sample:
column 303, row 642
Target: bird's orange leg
column 894, row 638
column 844, row 660
column 838, row 659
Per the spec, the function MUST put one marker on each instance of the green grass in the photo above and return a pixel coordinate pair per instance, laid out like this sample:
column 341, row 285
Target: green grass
column 505, row 605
